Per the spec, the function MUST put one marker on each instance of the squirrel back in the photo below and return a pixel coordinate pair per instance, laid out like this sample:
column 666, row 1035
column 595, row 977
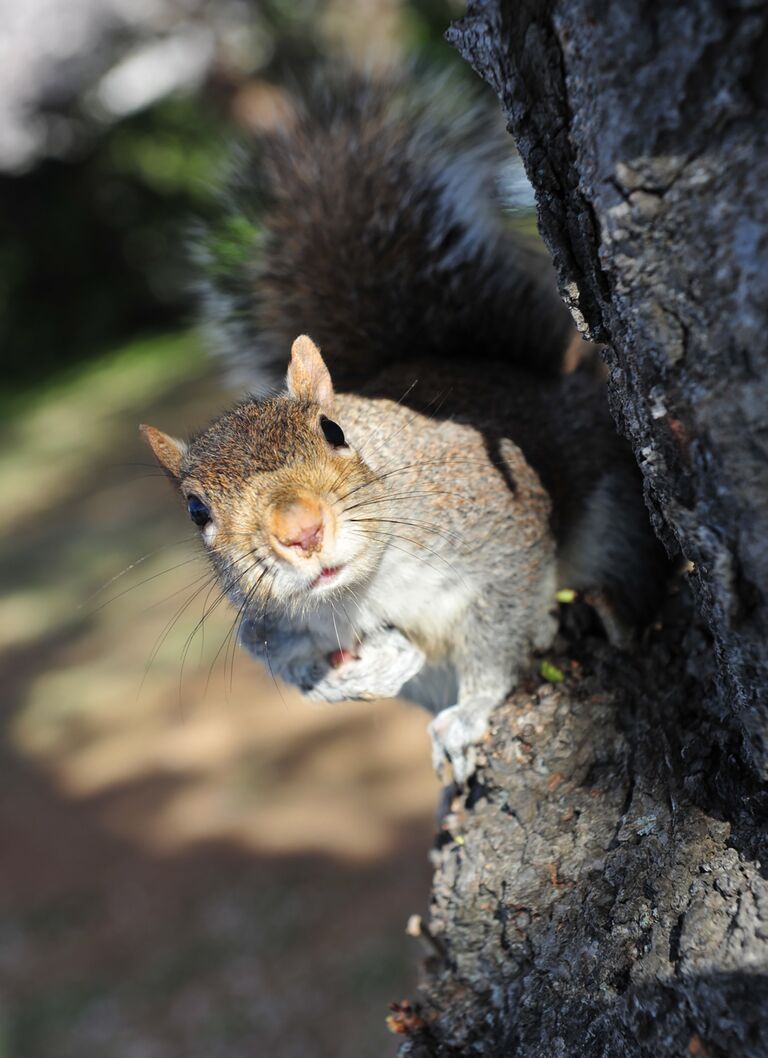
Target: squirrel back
column 373, row 221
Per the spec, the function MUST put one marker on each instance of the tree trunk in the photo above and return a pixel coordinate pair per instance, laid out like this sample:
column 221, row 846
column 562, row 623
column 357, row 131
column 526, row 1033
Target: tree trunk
column 601, row 891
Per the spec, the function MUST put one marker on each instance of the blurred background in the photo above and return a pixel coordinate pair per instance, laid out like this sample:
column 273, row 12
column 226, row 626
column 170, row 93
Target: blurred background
column 193, row 861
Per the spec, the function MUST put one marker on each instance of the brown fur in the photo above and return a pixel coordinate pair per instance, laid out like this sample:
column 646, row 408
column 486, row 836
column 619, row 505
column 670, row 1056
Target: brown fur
column 308, row 378
column 168, row 451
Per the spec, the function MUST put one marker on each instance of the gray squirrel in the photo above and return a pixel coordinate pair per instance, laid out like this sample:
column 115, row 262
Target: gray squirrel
column 399, row 517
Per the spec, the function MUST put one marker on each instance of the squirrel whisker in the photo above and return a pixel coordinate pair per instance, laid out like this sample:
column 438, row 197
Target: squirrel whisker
column 450, row 537
column 437, row 400
column 335, row 626
column 415, row 543
column 413, row 466
column 207, row 575
column 248, row 596
column 367, row 452
column 167, row 630
column 208, row 609
column 355, row 632
column 146, row 580
column 401, row 496
column 154, row 576
column 132, row 565
column 244, row 612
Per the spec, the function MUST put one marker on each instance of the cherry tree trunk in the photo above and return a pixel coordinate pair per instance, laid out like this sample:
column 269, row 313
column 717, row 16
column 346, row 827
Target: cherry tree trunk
column 602, row 889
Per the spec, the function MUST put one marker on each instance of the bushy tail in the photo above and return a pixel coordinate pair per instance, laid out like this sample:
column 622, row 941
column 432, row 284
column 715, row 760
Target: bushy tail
column 373, row 222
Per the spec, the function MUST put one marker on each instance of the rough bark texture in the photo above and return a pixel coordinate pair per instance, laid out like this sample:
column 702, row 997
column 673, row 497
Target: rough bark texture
column 602, row 890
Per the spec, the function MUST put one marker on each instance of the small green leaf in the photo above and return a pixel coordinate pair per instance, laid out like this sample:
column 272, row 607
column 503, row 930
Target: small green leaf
column 551, row 672
column 565, row 595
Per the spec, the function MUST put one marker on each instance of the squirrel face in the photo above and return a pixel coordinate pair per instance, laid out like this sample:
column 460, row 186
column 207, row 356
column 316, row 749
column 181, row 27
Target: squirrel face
column 266, row 485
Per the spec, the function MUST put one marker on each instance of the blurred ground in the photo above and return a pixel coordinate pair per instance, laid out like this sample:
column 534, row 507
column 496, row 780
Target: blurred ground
column 194, row 863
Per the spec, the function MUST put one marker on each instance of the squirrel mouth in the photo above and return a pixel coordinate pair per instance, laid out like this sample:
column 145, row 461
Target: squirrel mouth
column 326, row 576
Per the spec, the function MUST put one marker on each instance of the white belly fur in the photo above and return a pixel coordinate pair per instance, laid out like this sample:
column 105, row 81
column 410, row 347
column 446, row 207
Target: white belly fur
column 421, row 600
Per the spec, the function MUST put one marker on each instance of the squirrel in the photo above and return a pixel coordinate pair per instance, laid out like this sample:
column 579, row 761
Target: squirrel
column 399, row 517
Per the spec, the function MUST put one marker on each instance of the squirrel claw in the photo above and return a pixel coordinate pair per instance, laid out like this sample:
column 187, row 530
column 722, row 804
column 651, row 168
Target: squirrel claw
column 454, row 732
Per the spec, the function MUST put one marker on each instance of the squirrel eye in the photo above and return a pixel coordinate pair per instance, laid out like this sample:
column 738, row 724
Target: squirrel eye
column 332, row 432
column 198, row 512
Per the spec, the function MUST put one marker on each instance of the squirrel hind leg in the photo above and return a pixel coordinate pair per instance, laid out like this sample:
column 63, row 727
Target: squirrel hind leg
column 620, row 634
column 613, row 556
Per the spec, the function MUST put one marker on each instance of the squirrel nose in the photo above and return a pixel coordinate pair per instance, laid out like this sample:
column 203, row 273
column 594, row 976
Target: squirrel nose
column 299, row 525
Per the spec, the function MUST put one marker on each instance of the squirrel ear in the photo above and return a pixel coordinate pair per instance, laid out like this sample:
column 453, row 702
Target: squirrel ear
column 168, row 451
column 308, row 378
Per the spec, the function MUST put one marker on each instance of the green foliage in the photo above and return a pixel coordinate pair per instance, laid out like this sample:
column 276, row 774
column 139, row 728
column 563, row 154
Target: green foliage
column 230, row 242
column 95, row 249
column 173, row 150
column 551, row 673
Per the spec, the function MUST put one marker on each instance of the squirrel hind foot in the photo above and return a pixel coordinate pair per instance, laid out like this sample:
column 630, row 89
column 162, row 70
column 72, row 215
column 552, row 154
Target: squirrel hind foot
column 619, row 633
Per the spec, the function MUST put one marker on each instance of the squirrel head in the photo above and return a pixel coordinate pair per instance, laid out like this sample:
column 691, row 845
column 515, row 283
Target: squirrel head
column 269, row 484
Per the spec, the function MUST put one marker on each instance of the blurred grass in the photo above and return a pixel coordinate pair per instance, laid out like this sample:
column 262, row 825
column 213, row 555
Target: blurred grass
column 50, row 438
column 64, row 418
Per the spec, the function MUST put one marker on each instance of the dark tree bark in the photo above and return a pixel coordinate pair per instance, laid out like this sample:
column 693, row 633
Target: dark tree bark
column 602, row 891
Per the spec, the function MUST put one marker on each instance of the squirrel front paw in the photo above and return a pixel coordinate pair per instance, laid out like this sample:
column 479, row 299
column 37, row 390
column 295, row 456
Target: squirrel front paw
column 455, row 733
column 377, row 669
